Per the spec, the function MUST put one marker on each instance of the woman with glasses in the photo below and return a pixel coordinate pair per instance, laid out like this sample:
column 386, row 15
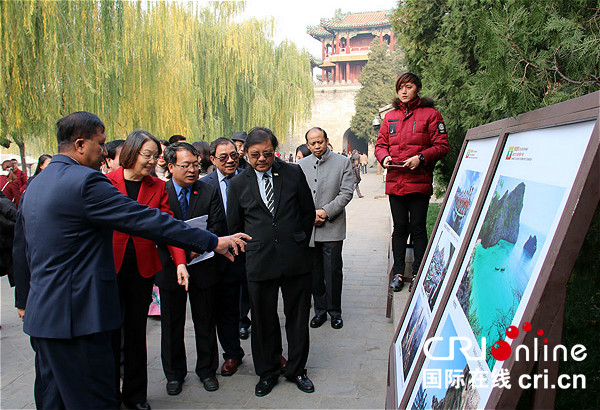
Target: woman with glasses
column 136, row 262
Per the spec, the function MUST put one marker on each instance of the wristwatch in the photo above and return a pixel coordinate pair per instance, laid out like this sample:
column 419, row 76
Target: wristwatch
column 421, row 158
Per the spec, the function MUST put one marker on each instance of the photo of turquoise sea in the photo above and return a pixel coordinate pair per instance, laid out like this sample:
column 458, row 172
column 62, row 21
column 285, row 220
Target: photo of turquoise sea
column 513, row 233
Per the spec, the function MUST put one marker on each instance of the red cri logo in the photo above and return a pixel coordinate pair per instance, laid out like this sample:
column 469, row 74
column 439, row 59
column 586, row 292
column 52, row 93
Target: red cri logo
column 501, row 350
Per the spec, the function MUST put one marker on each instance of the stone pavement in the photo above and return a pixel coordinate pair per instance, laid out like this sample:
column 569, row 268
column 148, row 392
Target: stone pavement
column 347, row 366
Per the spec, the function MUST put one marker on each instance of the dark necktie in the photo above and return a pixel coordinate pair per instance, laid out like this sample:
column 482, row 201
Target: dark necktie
column 183, row 202
column 269, row 193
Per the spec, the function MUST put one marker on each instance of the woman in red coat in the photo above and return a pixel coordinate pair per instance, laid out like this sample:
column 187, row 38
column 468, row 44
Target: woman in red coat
column 136, row 261
column 410, row 141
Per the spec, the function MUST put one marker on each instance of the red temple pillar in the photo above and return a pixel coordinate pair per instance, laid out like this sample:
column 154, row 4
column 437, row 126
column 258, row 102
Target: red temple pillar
column 392, row 40
column 348, row 44
column 347, row 71
column 323, row 50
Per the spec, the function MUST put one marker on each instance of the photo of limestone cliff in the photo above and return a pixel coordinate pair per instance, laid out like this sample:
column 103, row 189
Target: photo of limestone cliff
column 514, row 230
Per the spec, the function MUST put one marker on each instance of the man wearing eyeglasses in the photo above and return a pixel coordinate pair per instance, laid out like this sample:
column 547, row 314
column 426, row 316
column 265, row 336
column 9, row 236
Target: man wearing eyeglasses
column 190, row 198
column 272, row 202
column 224, row 156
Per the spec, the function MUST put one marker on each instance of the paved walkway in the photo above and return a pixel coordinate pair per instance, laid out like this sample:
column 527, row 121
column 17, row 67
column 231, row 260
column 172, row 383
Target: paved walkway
column 347, row 366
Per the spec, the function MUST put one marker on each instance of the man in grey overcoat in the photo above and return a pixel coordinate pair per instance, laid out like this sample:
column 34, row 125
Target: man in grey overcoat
column 329, row 176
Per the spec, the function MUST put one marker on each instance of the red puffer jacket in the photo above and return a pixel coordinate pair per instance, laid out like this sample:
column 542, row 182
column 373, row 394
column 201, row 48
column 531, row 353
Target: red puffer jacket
column 408, row 130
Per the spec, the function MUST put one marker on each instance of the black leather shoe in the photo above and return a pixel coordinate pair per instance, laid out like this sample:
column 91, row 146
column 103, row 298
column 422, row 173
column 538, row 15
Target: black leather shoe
column 337, row 323
column 318, row 320
column 244, row 333
column 174, row 387
column 138, row 406
column 265, row 386
column 210, row 384
column 397, row 284
column 303, row 383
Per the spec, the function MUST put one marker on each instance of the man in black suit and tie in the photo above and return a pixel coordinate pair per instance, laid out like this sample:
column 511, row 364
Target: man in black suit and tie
column 224, row 157
column 66, row 284
column 272, row 202
column 190, row 198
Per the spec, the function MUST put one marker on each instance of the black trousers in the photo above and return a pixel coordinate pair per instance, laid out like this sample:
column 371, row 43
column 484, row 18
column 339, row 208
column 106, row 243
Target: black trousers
column 244, row 303
column 327, row 278
column 135, row 293
column 266, row 332
column 409, row 214
column 228, row 315
column 203, row 303
column 74, row 373
column 173, row 304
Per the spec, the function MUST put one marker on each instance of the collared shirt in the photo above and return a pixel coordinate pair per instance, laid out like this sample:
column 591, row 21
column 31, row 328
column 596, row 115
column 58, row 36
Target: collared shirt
column 261, row 184
column 223, row 186
column 179, row 188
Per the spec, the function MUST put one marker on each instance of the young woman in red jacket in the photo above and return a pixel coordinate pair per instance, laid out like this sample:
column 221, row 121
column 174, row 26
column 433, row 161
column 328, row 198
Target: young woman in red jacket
column 136, row 262
column 410, row 141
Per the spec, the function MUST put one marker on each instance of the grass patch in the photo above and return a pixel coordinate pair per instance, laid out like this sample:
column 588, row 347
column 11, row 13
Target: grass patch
column 432, row 214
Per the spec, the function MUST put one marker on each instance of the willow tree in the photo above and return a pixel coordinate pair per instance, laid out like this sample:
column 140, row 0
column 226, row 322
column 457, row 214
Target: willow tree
column 166, row 67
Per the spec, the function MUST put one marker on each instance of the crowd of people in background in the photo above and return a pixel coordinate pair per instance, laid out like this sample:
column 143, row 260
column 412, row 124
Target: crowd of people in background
column 89, row 258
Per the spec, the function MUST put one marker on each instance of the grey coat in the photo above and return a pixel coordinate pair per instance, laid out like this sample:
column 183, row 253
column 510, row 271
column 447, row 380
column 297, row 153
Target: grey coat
column 331, row 183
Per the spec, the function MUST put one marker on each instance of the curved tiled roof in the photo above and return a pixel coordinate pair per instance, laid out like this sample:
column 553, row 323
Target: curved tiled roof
column 327, row 27
column 357, row 20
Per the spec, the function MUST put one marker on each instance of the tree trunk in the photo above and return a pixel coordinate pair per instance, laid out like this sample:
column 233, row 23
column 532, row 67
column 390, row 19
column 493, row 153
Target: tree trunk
column 21, row 146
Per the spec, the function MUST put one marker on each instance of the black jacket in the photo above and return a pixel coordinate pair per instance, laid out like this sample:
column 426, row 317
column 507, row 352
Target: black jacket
column 204, row 200
column 279, row 244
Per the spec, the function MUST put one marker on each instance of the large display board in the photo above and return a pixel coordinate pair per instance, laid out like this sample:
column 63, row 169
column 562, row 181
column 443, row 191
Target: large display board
column 449, row 237
column 481, row 273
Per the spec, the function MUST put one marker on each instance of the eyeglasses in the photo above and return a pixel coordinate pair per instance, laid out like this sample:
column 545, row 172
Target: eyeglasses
column 224, row 157
column 149, row 157
column 192, row 166
column 257, row 155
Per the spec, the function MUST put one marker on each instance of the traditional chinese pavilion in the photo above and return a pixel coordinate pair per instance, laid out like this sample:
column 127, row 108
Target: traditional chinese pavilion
column 346, row 40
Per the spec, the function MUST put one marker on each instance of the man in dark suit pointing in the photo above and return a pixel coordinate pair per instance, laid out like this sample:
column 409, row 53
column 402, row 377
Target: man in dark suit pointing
column 271, row 200
column 66, row 284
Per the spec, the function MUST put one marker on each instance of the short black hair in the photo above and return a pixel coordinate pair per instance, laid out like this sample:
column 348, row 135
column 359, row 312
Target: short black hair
column 203, row 149
column 212, row 149
column 315, row 128
column 304, row 150
column 258, row 135
column 41, row 161
column 80, row 124
column 176, row 138
column 170, row 153
column 111, row 148
column 408, row 78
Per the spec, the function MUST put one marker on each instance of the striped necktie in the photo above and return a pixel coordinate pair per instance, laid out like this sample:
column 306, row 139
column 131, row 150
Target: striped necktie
column 269, row 193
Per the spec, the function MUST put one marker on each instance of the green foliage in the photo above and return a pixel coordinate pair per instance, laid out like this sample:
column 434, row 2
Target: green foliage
column 484, row 60
column 377, row 79
column 166, row 67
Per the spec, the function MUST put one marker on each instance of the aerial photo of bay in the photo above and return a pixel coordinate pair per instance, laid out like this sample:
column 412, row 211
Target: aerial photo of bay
column 463, row 200
column 501, row 265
